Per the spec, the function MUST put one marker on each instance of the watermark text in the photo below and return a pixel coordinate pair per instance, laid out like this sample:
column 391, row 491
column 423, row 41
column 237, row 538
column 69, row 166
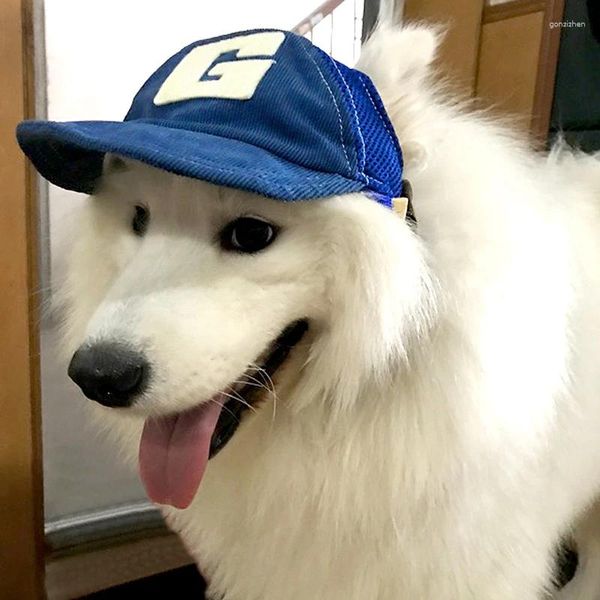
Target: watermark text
column 567, row 24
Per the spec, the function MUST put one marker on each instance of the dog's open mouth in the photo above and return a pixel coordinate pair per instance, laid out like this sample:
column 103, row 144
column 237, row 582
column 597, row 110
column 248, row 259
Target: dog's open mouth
column 232, row 412
column 174, row 450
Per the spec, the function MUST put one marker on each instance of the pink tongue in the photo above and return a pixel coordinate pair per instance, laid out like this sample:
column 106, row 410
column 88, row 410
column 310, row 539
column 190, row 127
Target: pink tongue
column 174, row 453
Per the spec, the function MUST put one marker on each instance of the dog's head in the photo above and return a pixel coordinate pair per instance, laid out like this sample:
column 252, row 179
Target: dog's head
column 191, row 304
column 185, row 298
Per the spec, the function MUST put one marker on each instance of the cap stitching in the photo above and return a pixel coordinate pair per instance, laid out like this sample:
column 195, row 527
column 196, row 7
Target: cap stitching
column 165, row 123
column 362, row 139
column 261, row 174
column 385, row 125
column 337, row 110
column 207, row 161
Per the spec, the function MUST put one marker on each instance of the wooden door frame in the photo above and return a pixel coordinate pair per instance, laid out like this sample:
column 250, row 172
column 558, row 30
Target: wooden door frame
column 458, row 56
column 460, row 52
column 21, row 489
column 546, row 76
column 550, row 11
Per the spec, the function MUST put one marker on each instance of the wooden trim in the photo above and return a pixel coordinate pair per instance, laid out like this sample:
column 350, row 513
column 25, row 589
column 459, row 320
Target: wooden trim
column 21, row 510
column 546, row 76
column 515, row 8
column 459, row 52
column 316, row 16
column 85, row 573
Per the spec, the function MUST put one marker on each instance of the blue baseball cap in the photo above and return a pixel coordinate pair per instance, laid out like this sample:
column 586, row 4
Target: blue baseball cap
column 263, row 110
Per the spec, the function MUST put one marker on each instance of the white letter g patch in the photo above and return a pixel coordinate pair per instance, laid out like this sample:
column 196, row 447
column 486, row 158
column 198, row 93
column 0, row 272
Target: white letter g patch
column 234, row 79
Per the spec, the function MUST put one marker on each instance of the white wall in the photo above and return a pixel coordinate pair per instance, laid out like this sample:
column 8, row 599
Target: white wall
column 100, row 52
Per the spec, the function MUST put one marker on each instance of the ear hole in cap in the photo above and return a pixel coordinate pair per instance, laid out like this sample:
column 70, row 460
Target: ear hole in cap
column 114, row 164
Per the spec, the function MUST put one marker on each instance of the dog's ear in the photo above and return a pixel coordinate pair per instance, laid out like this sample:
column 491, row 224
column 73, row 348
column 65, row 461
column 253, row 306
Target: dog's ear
column 399, row 57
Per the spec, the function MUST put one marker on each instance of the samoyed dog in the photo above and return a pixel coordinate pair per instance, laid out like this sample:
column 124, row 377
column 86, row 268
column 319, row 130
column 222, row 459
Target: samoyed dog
column 394, row 409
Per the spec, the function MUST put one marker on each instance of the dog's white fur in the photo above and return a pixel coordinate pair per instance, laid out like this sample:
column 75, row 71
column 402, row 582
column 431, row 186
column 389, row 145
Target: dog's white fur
column 438, row 432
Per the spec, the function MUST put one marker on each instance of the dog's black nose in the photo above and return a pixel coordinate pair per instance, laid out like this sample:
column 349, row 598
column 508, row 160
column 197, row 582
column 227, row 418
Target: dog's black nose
column 111, row 374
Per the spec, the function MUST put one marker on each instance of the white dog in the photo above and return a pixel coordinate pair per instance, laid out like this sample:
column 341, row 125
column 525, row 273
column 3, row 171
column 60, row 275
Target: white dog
column 425, row 399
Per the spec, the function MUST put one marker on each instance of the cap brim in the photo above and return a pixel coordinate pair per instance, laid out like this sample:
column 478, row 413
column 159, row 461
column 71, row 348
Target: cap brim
column 70, row 155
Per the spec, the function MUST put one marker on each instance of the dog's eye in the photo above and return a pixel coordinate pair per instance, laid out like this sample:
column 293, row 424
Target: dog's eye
column 247, row 234
column 141, row 218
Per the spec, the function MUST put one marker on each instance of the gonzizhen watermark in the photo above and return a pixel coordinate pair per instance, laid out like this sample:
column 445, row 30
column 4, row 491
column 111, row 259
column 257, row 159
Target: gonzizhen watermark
column 567, row 24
